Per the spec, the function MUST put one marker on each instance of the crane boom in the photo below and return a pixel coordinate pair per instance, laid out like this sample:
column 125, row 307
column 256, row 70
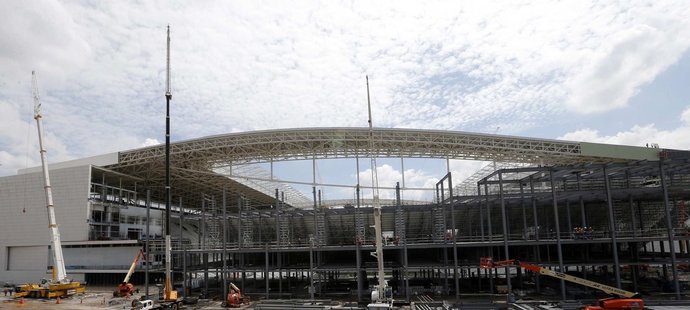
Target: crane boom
column 488, row 263
column 58, row 260
column 134, row 265
column 378, row 295
column 169, row 293
column 376, row 203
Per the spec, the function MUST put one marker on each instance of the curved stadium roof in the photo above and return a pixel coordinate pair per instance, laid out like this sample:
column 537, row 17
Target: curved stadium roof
column 195, row 163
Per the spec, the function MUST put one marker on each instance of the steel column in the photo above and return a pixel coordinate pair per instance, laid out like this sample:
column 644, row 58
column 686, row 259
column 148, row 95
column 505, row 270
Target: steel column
column 455, row 238
column 266, row 270
column 612, row 228
column 537, row 254
column 225, row 247
column 669, row 229
column 558, row 232
column 146, row 243
column 505, row 232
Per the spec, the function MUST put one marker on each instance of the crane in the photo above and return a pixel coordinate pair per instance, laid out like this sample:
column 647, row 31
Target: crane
column 170, row 294
column 381, row 297
column 125, row 288
column 59, row 285
column 623, row 299
column 170, row 299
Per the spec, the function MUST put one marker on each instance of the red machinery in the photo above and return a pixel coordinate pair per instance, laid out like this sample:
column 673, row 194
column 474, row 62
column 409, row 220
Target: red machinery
column 235, row 298
column 125, row 288
column 623, row 299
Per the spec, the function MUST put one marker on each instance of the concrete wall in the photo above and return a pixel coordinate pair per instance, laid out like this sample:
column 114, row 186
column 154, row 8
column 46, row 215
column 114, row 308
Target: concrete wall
column 135, row 218
column 101, row 257
column 24, row 218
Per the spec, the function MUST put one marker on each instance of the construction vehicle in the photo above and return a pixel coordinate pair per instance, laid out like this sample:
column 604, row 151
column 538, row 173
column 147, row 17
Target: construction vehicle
column 126, row 288
column 235, row 298
column 382, row 294
column 59, row 286
column 142, row 305
column 622, row 299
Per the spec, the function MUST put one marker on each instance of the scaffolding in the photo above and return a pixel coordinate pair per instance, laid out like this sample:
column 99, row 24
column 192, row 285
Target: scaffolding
column 438, row 215
column 320, row 236
column 543, row 206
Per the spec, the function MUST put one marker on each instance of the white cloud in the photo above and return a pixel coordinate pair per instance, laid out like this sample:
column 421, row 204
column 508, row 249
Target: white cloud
column 150, row 142
column 685, row 116
column 416, row 178
column 388, row 176
column 614, row 72
column 240, row 66
column 640, row 135
column 462, row 169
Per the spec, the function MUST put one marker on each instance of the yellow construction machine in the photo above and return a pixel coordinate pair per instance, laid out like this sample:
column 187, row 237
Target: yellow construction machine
column 59, row 286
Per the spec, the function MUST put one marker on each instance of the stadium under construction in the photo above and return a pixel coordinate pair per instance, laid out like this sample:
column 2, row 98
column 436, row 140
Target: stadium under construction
column 613, row 214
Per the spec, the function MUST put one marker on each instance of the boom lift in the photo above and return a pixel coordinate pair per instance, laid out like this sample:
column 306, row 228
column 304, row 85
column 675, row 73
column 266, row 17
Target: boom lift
column 59, row 286
column 235, row 298
column 622, row 300
column 125, row 288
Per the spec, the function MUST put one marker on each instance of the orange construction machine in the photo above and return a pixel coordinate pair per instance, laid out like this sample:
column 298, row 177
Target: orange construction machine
column 622, row 299
column 125, row 288
column 235, row 298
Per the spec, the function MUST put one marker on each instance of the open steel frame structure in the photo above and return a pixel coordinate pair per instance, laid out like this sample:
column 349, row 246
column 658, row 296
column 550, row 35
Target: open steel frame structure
column 195, row 163
column 631, row 199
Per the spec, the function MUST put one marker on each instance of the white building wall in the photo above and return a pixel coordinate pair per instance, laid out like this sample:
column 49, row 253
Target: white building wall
column 101, row 258
column 24, row 218
column 135, row 218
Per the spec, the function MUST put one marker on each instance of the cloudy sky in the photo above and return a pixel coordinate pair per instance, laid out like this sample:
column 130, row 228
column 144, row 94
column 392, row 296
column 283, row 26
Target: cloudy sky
column 601, row 71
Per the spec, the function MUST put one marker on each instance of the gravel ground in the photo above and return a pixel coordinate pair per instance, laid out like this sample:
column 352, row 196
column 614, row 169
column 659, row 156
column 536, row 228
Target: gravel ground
column 94, row 298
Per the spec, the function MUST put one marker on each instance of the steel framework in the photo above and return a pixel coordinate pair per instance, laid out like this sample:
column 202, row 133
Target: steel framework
column 196, row 163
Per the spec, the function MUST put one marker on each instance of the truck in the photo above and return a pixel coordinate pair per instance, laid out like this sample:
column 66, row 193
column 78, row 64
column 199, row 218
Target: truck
column 621, row 299
column 147, row 304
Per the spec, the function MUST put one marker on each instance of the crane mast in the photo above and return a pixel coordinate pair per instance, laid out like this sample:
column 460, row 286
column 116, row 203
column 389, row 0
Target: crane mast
column 58, row 260
column 381, row 287
column 169, row 293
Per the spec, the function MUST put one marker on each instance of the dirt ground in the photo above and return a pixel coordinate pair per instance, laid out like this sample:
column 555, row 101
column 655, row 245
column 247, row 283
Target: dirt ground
column 94, row 298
